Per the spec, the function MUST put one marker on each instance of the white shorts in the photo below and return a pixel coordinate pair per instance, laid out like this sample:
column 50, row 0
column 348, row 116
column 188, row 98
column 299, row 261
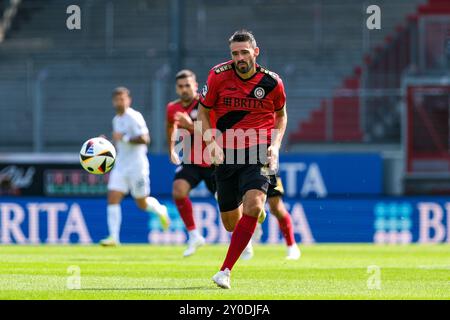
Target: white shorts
column 137, row 184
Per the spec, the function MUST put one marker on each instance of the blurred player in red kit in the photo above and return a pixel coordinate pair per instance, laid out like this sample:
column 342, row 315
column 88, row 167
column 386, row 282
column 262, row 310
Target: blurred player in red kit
column 181, row 114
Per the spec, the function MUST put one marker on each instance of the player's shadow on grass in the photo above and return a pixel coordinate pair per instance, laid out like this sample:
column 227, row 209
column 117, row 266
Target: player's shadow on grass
column 146, row 289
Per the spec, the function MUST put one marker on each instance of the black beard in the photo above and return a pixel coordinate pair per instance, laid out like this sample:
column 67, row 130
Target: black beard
column 186, row 98
column 246, row 68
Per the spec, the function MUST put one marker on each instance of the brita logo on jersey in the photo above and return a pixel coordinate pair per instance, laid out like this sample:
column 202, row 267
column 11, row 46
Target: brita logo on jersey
column 243, row 103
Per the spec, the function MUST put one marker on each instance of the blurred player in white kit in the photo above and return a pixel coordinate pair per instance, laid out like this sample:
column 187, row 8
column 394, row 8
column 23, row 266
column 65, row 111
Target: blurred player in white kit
column 131, row 169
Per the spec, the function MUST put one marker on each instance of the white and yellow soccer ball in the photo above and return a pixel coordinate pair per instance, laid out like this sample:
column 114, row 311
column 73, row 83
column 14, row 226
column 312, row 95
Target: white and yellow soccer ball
column 97, row 155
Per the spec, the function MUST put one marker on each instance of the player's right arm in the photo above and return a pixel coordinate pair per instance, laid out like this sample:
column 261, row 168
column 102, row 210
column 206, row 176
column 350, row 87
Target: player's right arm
column 215, row 151
column 208, row 99
column 171, row 128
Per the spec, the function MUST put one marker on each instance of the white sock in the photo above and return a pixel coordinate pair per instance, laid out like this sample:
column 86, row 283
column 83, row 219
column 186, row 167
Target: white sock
column 153, row 205
column 194, row 234
column 114, row 212
column 249, row 244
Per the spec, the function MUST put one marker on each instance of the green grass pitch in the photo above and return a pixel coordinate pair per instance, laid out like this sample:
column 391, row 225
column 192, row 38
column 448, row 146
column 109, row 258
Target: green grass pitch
column 160, row 272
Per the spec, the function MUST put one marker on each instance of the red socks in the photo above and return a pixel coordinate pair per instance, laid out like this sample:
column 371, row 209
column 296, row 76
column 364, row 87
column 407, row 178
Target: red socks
column 239, row 240
column 185, row 208
column 286, row 229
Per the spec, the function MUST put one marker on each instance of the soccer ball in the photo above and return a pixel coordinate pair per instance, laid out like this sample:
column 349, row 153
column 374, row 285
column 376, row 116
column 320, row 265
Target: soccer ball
column 97, row 156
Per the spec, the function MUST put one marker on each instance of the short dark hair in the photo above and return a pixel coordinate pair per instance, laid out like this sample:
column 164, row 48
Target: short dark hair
column 121, row 90
column 183, row 74
column 243, row 36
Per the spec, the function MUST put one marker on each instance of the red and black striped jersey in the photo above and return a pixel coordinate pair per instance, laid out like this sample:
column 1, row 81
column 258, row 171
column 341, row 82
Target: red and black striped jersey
column 246, row 104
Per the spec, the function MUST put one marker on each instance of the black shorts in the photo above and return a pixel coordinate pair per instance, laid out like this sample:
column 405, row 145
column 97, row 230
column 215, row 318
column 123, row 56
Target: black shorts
column 194, row 174
column 234, row 180
column 276, row 188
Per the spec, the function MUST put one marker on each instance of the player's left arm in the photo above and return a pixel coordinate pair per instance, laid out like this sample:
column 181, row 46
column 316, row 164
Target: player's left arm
column 277, row 137
column 279, row 126
column 280, row 114
column 280, row 119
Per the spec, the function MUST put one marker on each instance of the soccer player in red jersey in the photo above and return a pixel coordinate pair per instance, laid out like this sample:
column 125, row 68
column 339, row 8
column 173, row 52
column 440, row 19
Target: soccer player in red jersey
column 182, row 113
column 249, row 103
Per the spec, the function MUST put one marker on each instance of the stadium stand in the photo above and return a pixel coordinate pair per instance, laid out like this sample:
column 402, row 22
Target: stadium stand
column 2, row 7
column 376, row 117
column 86, row 64
column 74, row 70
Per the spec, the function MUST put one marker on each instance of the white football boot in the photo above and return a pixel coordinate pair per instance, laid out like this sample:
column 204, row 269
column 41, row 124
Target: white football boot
column 109, row 242
column 164, row 218
column 248, row 253
column 293, row 252
column 222, row 279
column 195, row 241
